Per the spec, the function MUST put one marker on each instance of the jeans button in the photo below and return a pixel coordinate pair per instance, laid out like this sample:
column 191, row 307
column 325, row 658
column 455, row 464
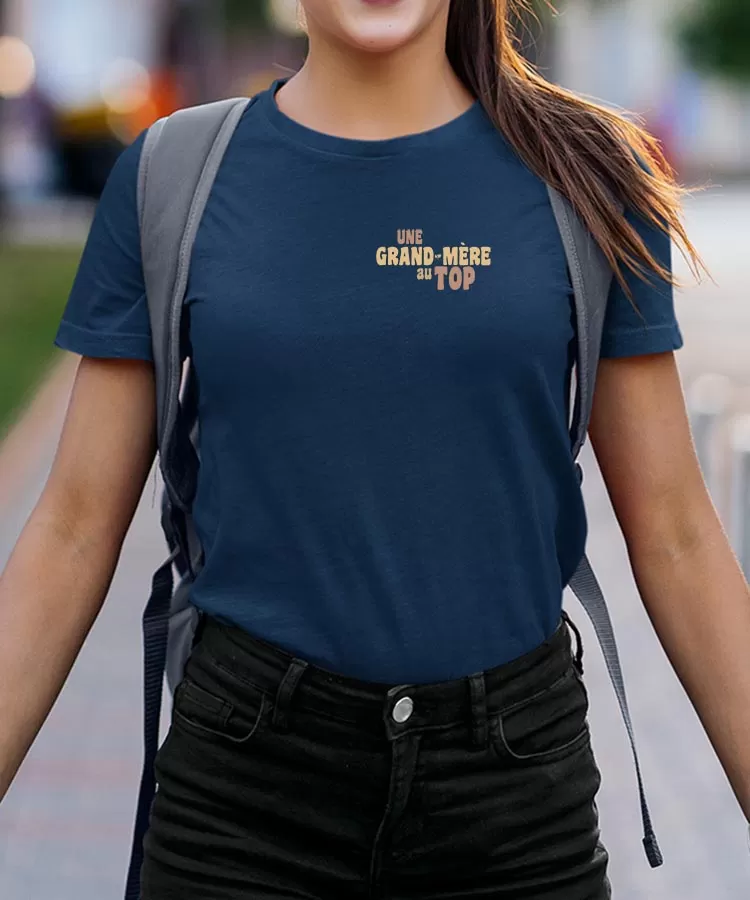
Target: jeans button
column 403, row 709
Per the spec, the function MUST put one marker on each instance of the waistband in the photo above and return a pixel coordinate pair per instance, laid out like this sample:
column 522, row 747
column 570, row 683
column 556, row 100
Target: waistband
column 400, row 708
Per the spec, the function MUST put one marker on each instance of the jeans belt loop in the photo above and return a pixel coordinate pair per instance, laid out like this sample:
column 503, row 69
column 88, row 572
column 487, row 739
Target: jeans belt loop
column 479, row 727
column 578, row 659
column 280, row 719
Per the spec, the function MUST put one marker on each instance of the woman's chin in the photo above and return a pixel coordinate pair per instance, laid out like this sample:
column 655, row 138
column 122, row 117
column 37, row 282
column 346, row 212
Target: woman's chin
column 378, row 26
column 378, row 42
column 384, row 36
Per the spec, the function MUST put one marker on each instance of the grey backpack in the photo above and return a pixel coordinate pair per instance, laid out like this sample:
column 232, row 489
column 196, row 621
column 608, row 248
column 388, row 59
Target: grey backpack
column 181, row 156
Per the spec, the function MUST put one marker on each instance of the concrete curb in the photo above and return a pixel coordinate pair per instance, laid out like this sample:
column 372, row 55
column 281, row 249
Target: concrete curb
column 24, row 446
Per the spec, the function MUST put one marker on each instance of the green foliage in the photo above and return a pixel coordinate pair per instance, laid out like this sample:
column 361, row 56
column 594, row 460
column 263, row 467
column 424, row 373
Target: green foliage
column 715, row 36
column 35, row 285
column 249, row 14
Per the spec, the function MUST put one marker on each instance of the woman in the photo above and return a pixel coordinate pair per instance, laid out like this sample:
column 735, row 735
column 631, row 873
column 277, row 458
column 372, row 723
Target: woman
column 384, row 700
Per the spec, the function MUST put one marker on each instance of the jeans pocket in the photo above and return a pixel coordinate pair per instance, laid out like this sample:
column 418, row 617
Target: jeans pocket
column 547, row 726
column 202, row 711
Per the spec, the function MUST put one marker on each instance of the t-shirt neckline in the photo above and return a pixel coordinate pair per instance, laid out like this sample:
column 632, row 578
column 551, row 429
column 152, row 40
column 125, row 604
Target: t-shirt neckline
column 303, row 135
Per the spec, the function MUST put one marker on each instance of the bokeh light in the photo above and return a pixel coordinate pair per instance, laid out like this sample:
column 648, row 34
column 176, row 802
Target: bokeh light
column 17, row 67
column 125, row 86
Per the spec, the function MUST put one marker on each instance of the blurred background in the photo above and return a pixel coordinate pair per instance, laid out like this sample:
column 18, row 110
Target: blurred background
column 79, row 79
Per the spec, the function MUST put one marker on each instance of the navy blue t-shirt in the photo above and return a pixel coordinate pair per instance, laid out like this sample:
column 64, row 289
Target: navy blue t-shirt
column 383, row 335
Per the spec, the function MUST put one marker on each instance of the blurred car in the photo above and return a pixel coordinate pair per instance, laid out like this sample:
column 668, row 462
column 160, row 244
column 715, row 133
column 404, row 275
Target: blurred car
column 86, row 148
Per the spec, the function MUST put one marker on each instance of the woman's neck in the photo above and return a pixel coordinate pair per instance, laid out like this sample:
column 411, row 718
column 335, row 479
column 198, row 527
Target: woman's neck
column 351, row 93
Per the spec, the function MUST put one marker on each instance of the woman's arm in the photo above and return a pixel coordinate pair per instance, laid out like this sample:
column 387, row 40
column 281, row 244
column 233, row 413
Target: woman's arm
column 58, row 575
column 692, row 586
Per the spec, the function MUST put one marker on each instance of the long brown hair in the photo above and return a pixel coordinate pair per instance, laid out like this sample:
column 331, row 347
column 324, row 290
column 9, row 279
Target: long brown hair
column 592, row 155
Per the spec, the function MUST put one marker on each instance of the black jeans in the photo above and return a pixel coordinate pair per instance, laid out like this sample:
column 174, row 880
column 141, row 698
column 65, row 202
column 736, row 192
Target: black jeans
column 280, row 780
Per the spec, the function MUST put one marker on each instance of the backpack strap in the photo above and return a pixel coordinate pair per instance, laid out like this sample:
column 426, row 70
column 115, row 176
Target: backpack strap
column 179, row 162
column 180, row 158
column 591, row 276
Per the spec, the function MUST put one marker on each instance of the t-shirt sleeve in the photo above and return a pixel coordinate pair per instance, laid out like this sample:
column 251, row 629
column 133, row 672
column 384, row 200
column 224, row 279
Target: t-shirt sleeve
column 106, row 315
column 647, row 324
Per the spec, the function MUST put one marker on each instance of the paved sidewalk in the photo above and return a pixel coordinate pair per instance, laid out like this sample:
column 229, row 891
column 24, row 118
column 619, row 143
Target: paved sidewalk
column 65, row 826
